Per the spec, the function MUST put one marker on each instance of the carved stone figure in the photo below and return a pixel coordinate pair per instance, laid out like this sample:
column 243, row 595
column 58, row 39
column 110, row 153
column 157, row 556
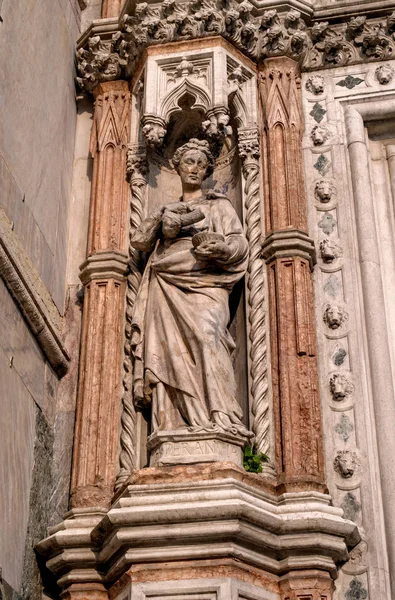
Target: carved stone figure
column 329, row 250
column 315, row 84
column 180, row 342
column 384, row 74
column 345, row 463
column 335, row 316
column 324, row 191
column 319, row 135
column 340, row 386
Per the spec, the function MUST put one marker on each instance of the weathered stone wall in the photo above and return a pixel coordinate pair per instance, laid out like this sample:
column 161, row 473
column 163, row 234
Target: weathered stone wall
column 38, row 120
column 37, row 127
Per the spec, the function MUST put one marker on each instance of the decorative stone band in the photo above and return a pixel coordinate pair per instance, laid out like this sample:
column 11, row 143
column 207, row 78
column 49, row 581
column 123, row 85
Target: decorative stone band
column 104, row 265
column 257, row 34
column 31, row 295
column 234, row 511
column 291, row 242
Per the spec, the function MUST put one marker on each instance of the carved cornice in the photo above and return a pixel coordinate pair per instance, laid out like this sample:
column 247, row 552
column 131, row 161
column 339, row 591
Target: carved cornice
column 32, row 297
column 259, row 36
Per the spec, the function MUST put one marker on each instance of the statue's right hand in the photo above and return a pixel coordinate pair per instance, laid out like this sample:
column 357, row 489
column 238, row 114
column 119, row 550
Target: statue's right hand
column 171, row 224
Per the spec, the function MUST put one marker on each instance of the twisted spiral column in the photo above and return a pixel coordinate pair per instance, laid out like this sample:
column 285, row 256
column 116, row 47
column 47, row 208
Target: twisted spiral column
column 249, row 154
column 136, row 171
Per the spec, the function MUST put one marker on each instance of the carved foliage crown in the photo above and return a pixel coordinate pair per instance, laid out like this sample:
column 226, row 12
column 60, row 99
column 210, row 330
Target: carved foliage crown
column 258, row 36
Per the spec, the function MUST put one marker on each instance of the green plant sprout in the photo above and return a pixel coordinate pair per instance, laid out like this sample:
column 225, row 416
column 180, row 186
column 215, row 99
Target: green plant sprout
column 252, row 459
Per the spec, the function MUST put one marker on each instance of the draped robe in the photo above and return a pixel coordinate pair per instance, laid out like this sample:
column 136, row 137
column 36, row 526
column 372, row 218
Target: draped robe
column 180, row 339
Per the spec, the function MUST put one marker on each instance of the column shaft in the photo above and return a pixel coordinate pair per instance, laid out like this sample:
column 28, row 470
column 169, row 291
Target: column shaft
column 290, row 255
column 104, row 275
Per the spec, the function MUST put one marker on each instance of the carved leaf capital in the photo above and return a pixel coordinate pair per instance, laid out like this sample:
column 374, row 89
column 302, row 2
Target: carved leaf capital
column 248, row 143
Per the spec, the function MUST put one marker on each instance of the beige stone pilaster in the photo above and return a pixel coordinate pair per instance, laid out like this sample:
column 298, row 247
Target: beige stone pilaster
column 104, row 277
column 290, row 255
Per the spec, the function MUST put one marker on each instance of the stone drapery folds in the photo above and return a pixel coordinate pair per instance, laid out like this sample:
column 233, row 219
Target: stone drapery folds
column 259, row 37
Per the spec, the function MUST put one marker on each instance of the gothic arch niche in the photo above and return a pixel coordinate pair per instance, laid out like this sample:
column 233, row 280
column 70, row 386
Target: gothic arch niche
column 187, row 100
column 185, row 122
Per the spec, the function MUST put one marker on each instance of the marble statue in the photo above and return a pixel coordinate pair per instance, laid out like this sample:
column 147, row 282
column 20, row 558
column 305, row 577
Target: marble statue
column 181, row 345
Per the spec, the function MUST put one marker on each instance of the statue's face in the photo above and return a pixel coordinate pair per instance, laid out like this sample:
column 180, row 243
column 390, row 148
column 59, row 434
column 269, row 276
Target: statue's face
column 192, row 168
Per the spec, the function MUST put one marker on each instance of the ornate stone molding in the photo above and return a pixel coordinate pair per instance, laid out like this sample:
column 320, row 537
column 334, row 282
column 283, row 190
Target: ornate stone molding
column 259, row 36
column 249, row 153
column 136, row 170
column 31, row 295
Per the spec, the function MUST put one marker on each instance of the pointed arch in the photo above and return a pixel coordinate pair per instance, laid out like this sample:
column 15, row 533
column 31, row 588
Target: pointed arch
column 169, row 104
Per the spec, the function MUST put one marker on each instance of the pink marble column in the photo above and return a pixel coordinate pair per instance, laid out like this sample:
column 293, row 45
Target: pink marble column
column 289, row 253
column 103, row 274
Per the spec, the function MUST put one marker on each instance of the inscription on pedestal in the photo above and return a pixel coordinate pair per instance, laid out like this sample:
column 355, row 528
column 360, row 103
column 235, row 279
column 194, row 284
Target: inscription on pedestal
column 195, row 451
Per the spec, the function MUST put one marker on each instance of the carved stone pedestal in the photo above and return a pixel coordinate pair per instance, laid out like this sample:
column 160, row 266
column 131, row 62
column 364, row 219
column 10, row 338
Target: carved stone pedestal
column 183, row 447
column 208, row 531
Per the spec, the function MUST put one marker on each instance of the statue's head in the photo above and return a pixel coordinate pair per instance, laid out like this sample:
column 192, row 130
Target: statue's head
column 193, row 162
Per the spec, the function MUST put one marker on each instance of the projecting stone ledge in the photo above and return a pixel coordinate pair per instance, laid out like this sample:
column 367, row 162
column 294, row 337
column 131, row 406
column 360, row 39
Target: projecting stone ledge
column 200, row 513
column 32, row 297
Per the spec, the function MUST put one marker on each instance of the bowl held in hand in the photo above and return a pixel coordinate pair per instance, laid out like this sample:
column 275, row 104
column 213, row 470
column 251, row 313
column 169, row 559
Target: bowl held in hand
column 206, row 236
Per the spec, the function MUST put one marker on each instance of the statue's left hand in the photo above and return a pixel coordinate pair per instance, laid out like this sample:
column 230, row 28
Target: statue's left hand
column 213, row 250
